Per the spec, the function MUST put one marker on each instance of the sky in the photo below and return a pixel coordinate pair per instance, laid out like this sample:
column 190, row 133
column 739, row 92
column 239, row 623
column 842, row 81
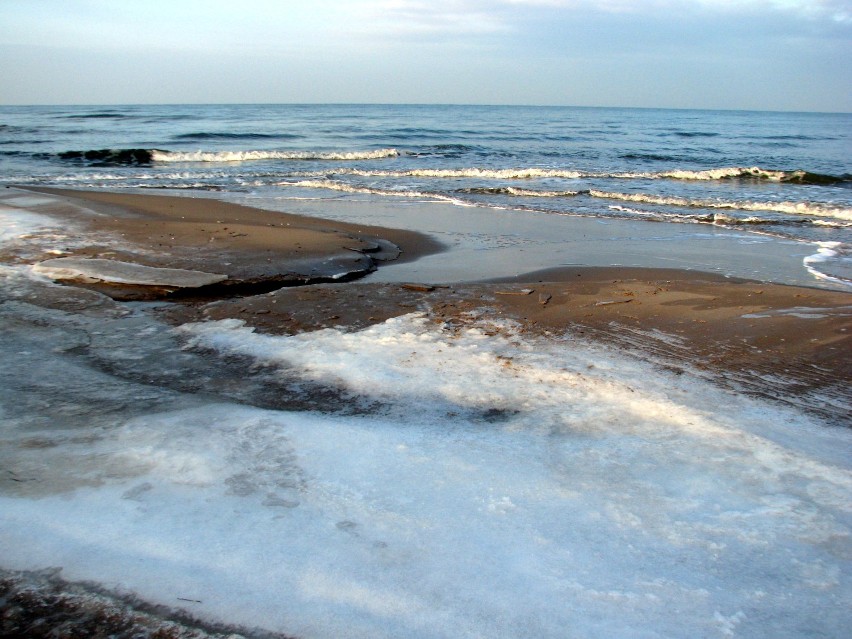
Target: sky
column 790, row 55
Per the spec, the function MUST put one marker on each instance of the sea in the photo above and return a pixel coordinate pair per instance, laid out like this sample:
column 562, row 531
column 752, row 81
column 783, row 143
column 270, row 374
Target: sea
column 782, row 175
column 462, row 479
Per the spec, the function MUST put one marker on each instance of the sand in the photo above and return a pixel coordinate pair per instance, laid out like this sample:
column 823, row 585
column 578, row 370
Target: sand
column 285, row 274
column 257, row 250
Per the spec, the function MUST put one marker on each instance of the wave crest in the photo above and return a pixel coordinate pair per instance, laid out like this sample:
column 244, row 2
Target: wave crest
column 227, row 135
column 511, row 190
column 755, row 172
column 242, row 156
column 793, row 208
column 723, row 173
column 111, row 156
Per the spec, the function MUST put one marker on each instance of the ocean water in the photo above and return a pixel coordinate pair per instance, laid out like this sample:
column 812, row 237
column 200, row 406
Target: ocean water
column 786, row 175
column 462, row 479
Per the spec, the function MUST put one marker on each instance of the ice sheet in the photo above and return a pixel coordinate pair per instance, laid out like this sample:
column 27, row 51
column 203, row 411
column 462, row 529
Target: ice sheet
column 485, row 484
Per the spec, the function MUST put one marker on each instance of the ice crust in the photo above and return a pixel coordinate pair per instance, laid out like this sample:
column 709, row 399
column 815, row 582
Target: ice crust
column 491, row 485
column 118, row 272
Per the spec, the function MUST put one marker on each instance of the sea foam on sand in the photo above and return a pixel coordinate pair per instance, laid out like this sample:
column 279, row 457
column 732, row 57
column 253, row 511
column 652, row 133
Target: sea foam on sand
column 480, row 483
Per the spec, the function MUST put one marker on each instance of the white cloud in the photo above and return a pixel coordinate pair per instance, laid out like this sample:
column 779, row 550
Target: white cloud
column 837, row 10
column 439, row 19
column 433, row 17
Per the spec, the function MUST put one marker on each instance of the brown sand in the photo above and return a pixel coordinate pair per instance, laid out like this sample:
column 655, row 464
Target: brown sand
column 256, row 249
column 787, row 343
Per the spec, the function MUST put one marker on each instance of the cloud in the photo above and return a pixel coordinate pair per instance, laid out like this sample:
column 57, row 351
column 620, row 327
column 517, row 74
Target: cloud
column 428, row 21
column 834, row 10
column 432, row 17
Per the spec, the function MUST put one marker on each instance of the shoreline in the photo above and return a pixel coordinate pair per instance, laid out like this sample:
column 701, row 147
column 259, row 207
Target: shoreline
column 255, row 250
column 784, row 343
column 747, row 333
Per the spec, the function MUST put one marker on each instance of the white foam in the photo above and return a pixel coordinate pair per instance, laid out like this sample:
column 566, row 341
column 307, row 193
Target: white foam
column 243, row 156
column 539, row 193
column 473, row 172
column 793, row 208
column 831, row 262
column 333, row 185
column 511, row 487
column 721, row 173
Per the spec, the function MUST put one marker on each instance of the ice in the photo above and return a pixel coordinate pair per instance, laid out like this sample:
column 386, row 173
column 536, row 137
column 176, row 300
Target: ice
column 484, row 483
column 16, row 223
column 118, row 272
column 27, row 231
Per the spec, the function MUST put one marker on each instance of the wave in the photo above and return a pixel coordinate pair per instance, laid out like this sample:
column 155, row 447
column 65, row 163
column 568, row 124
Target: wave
column 693, row 134
column 149, row 156
column 657, row 157
column 843, row 216
column 447, row 150
column 511, row 190
column 831, row 262
column 804, row 138
column 793, row 208
column 755, row 172
column 495, row 174
column 242, row 156
column 724, row 173
column 718, row 219
column 349, row 188
column 96, row 116
column 224, row 135
column 111, row 156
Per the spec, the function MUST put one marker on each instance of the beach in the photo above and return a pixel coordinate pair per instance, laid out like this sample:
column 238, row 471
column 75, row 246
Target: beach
column 698, row 319
column 258, row 426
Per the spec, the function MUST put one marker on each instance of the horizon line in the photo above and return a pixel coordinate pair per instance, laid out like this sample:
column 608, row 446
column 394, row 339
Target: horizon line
column 422, row 104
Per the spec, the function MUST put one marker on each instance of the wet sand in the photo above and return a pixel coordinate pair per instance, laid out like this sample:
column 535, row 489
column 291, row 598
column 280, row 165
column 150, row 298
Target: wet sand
column 255, row 249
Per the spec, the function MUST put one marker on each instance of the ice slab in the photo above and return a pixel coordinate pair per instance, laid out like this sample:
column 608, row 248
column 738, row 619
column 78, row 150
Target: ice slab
column 118, row 272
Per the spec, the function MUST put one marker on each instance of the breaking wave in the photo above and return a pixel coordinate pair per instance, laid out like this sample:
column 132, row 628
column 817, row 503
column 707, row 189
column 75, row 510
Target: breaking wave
column 832, row 262
column 111, row 156
column 149, row 156
column 331, row 185
column 473, row 172
column 794, row 208
column 725, row 173
column 242, row 156
column 755, row 172
column 511, row 190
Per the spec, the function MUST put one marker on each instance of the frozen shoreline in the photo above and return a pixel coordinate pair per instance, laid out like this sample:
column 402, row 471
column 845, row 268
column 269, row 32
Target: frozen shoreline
column 374, row 460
